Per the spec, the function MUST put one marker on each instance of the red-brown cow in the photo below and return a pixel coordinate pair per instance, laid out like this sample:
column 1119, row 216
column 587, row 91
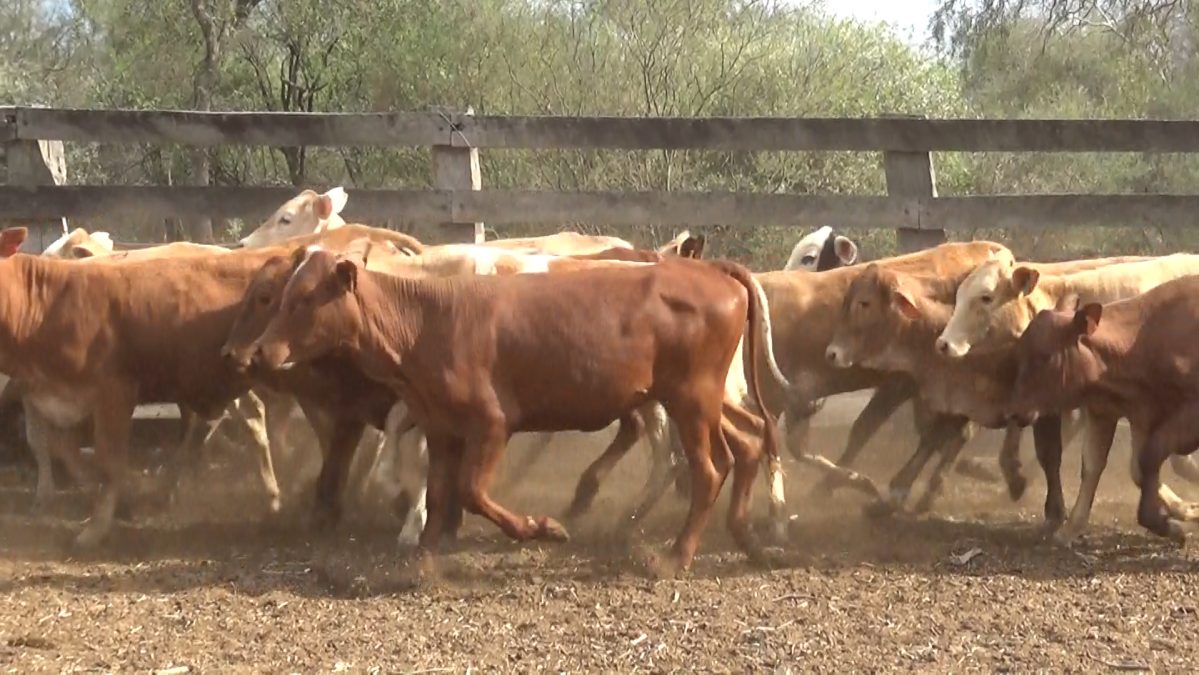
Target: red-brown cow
column 479, row 359
column 1133, row 358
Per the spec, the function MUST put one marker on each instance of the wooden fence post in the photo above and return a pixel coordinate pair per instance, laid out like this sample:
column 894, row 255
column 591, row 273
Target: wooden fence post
column 911, row 174
column 32, row 163
column 456, row 167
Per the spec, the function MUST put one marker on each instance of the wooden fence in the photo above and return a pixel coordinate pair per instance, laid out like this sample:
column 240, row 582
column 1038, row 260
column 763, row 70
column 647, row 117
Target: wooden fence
column 911, row 205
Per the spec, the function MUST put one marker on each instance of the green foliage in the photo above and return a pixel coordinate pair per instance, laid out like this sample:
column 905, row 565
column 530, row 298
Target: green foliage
column 1000, row 58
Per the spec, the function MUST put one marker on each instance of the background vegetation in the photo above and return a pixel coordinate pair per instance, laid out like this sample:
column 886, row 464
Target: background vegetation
column 1003, row 58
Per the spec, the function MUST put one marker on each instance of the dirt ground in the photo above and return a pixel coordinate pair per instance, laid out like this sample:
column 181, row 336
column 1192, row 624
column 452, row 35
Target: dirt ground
column 211, row 585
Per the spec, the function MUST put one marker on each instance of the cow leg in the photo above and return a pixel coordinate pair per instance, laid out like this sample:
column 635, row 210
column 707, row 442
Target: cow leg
column 885, row 400
column 632, row 427
column 695, row 431
column 747, row 458
column 1184, row 466
column 280, row 409
column 1100, row 433
column 438, row 495
column 1176, row 508
column 950, row 450
column 1047, row 439
column 252, row 412
column 481, row 457
column 1009, row 462
column 330, row 484
column 111, row 421
column 935, row 433
column 1177, row 434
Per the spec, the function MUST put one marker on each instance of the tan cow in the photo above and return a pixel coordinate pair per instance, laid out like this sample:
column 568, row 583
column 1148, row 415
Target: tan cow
column 465, row 355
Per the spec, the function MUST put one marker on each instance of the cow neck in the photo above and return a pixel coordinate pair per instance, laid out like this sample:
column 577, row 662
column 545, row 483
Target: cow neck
column 1112, row 342
column 32, row 286
column 393, row 311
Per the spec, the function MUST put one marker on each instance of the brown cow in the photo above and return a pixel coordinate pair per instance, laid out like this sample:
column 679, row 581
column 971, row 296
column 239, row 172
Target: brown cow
column 1132, row 358
column 476, row 363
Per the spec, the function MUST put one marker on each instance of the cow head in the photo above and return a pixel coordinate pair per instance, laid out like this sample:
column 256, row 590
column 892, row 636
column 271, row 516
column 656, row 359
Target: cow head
column 79, row 244
column 685, row 245
column 260, row 303
column 822, row 250
column 306, row 213
column 990, row 311
column 1056, row 362
column 317, row 312
column 11, row 239
column 876, row 307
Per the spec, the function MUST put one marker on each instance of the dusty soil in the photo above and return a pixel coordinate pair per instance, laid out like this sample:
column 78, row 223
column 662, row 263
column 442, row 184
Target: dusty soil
column 212, row 585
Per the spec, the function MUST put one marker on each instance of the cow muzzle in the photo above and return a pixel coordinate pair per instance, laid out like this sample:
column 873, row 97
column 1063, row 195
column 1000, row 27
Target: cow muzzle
column 239, row 358
column 954, row 350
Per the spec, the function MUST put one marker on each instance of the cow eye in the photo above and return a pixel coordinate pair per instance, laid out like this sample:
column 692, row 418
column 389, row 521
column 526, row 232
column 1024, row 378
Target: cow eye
column 864, row 304
column 285, row 220
column 986, row 299
column 264, row 299
column 808, row 259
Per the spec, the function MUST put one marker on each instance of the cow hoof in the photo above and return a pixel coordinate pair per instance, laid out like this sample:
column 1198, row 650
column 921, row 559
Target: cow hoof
column 1067, row 535
column 88, row 539
column 1016, row 485
column 879, row 508
column 666, row 567
column 551, row 530
column 275, row 505
column 1176, row 533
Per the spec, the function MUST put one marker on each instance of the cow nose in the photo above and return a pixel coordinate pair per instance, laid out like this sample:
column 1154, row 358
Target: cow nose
column 942, row 345
column 831, row 355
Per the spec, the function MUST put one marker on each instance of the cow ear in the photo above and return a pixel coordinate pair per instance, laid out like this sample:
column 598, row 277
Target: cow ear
column 904, row 303
column 1024, row 279
column 81, row 252
column 324, row 207
column 298, row 256
column 846, row 250
column 1086, row 320
column 347, row 275
column 337, row 200
column 11, row 240
column 692, row 247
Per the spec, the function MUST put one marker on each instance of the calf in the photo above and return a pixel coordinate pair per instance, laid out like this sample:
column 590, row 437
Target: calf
column 480, row 359
column 1131, row 358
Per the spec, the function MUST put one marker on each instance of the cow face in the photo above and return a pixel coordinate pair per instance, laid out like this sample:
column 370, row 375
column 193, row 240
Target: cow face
column 1056, row 363
column 306, row 213
column 685, row 245
column 822, row 250
column 260, row 303
column 79, row 244
column 317, row 312
column 989, row 311
column 875, row 309
column 11, row 240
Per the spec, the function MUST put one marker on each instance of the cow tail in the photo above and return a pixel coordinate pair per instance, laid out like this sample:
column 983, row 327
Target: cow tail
column 758, row 334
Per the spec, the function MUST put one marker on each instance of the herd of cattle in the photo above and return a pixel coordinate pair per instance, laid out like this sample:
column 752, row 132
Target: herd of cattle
column 450, row 350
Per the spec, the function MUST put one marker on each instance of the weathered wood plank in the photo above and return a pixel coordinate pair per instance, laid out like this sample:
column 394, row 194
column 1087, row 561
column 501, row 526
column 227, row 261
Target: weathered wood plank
column 249, row 203
column 232, row 128
column 560, row 209
column 1038, row 211
column 546, row 132
column 457, row 168
column 911, row 135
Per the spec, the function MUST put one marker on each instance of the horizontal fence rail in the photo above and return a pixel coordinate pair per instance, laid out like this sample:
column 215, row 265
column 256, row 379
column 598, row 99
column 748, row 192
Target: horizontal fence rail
column 549, row 132
column 682, row 209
